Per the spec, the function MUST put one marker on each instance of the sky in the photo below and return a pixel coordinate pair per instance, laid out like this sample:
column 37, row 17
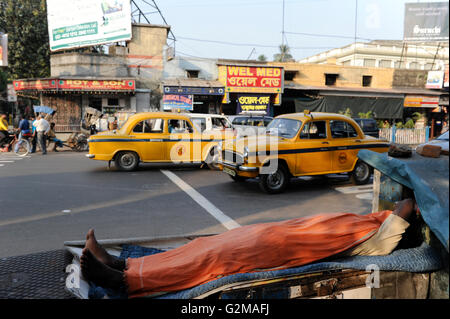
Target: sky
column 245, row 29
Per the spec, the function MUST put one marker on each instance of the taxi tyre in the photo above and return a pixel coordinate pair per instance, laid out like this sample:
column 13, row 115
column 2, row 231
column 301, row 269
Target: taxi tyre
column 277, row 182
column 126, row 161
column 212, row 159
column 361, row 173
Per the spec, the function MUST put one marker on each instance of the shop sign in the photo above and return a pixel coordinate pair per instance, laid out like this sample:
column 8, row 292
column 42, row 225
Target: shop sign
column 446, row 76
column 3, row 49
column 12, row 97
column 177, row 101
column 247, row 79
column 21, row 85
column 185, row 90
column 253, row 103
column 96, row 85
column 435, row 80
column 421, row 101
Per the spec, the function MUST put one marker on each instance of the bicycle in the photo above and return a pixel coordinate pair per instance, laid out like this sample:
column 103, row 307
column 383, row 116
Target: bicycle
column 20, row 146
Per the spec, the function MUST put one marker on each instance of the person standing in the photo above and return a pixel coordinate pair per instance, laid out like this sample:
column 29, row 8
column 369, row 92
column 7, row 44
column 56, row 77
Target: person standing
column 33, row 135
column 42, row 128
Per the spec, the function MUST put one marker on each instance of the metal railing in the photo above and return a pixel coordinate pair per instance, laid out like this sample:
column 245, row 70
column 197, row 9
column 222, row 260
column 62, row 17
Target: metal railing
column 406, row 135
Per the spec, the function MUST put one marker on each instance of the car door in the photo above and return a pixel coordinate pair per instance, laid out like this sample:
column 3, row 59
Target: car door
column 148, row 135
column 184, row 142
column 313, row 149
column 346, row 144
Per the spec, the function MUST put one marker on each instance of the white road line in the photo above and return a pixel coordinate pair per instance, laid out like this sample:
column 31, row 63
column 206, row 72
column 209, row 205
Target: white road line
column 6, row 161
column 2, row 165
column 226, row 221
column 355, row 189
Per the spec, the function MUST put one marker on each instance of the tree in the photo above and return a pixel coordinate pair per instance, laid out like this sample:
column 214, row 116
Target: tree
column 284, row 55
column 262, row 58
column 368, row 115
column 25, row 22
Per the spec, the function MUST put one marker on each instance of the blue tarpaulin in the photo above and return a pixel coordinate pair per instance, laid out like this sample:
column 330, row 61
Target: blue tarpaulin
column 427, row 177
column 43, row 109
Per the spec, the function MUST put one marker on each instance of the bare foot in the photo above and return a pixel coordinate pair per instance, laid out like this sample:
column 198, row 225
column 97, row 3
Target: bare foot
column 101, row 254
column 99, row 273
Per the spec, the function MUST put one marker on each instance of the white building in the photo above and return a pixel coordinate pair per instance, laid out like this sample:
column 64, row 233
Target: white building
column 387, row 54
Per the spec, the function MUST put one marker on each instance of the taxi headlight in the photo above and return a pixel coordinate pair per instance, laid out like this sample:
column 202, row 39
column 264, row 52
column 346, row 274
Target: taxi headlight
column 245, row 153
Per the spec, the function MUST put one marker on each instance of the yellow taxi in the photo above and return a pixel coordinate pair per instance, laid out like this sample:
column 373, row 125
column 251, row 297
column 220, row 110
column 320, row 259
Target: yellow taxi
column 157, row 137
column 300, row 144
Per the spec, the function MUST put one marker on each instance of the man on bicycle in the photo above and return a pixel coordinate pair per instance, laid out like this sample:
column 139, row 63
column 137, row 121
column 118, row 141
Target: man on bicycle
column 23, row 130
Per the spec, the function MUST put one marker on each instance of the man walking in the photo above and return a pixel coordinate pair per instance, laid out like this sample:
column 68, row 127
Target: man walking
column 42, row 128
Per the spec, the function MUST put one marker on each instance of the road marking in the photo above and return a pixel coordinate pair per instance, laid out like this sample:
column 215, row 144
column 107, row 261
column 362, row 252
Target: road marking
column 6, row 161
column 361, row 192
column 226, row 221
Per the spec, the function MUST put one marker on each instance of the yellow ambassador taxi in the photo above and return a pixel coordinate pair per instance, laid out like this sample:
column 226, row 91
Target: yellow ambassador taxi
column 300, row 144
column 157, row 137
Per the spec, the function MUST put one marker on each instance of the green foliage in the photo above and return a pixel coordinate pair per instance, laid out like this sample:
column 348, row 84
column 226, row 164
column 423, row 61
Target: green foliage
column 409, row 124
column 25, row 22
column 417, row 116
column 368, row 115
column 348, row 112
column 262, row 58
column 284, row 55
column 399, row 125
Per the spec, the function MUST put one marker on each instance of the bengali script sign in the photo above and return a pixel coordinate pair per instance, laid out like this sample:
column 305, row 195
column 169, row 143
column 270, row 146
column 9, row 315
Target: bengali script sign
column 252, row 79
column 248, row 103
column 22, row 85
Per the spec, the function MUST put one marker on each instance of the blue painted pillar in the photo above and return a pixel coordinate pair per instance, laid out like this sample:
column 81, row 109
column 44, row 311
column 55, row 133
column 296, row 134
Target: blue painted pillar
column 394, row 130
column 427, row 133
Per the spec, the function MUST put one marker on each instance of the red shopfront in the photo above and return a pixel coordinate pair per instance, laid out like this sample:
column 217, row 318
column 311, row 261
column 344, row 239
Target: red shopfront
column 69, row 97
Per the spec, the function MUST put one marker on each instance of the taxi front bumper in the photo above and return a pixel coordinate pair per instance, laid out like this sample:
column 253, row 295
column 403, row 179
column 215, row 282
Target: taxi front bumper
column 238, row 167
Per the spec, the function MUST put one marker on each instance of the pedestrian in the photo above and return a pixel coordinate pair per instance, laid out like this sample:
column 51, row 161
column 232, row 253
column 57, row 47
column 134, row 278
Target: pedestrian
column 33, row 134
column 52, row 137
column 101, row 124
column 42, row 128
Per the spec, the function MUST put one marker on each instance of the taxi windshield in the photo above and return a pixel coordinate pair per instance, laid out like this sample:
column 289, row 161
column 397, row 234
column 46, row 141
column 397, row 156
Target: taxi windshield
column 284, row 127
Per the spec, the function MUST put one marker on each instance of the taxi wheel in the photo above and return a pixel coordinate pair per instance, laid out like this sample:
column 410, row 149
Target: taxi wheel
column 361, row 173
column 212, row 159
column 276, row 182
column 126, row 161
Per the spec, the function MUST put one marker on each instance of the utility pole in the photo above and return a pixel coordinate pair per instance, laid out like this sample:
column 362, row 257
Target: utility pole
column 356, row 27
column 282, row 36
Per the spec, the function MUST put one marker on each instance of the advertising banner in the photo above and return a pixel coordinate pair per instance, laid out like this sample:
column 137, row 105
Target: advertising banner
column 77, row 85
column 247, row 79
column 426, row 21
column 12, row 96
column 421, row 101
column 435, row 79
column 253, row 103
column 3, row 49
column 80, row 23
column 175, row 101
column 22, row 85
column 446, row 76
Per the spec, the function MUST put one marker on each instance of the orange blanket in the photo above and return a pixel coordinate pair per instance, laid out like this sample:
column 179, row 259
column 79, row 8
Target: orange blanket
column 251, row 248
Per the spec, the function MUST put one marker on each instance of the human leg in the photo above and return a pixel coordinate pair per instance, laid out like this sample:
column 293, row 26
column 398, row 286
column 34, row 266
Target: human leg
column 101, row 254
column 42, row 144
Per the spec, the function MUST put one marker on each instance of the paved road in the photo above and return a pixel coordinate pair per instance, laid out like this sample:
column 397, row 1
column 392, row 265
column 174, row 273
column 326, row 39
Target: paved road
column 46, row 200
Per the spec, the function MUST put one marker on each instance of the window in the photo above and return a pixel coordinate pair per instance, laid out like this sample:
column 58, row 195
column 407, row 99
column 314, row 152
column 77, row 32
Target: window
column 284, row 127
column 192, row 73
column 330, row 78
column 414, row 65
column 341, row 129
column 314, row 130
column 369, row 63
column 366, row 80
column 149, row 126
column 219, row 123
column 199, row 123
column 290, row 75
column 240, row 121
column 385, row 63
column 180, row 127
column 113, row 102
column 428, row 66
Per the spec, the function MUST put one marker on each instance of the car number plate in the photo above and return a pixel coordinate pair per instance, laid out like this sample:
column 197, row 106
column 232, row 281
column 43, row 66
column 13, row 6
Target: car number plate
column 229, row 171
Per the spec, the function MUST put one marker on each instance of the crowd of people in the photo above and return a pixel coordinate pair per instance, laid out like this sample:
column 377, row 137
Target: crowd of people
column 38, row 129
